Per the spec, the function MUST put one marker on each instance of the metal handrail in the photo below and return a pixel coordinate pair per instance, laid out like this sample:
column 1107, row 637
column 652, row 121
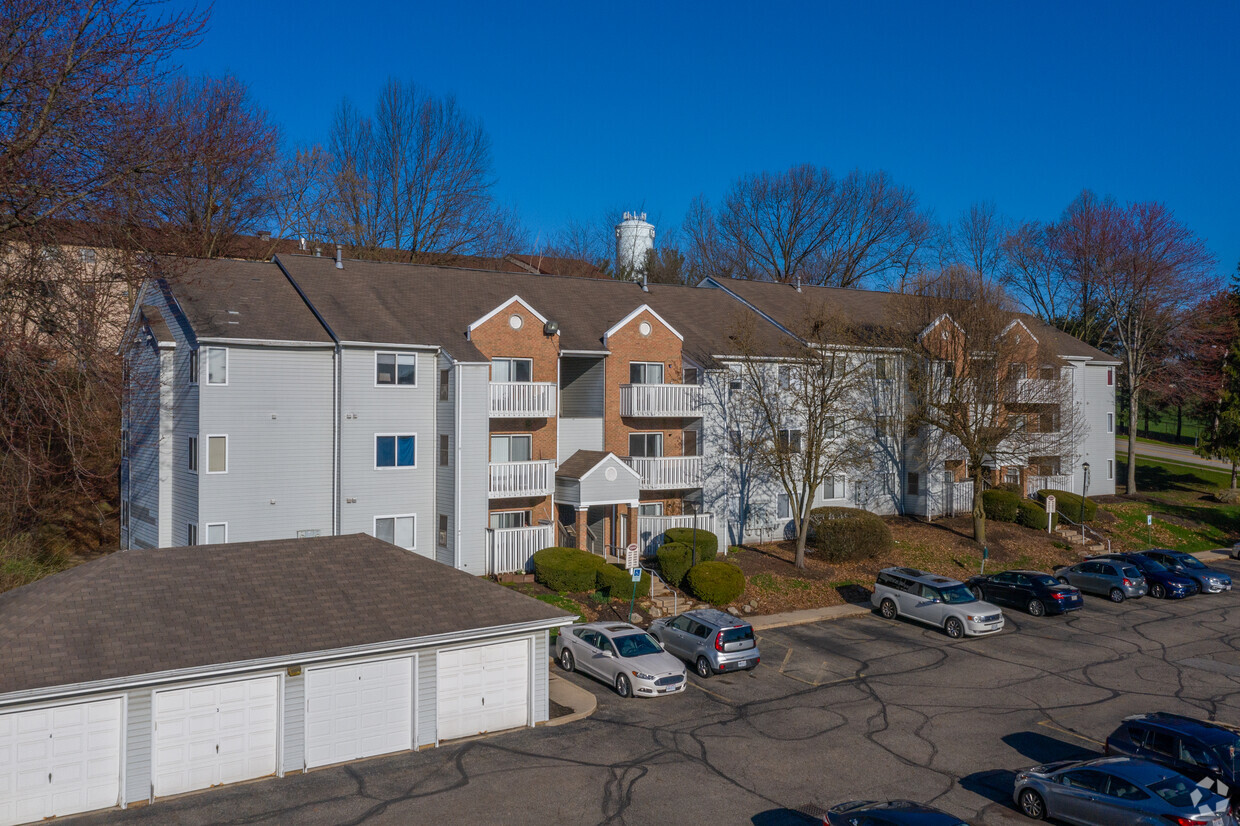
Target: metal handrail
column 658, row 576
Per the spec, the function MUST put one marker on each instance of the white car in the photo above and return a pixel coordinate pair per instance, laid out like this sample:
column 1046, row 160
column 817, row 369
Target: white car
column 623, row 655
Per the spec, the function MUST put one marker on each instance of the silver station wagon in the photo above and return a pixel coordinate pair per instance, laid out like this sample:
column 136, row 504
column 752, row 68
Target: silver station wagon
column 935, row 600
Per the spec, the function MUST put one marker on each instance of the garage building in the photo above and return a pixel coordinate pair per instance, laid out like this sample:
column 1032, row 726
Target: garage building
column 157, row 672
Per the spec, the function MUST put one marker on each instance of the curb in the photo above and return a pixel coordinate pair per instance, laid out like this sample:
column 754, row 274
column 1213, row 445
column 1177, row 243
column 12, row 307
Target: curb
column 575, row 697
column 833, row 612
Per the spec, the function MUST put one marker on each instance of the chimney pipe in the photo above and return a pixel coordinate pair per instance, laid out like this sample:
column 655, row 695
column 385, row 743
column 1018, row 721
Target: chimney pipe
column 645, row 285
column 339, row 257
column 798, row 284
column 318, row 252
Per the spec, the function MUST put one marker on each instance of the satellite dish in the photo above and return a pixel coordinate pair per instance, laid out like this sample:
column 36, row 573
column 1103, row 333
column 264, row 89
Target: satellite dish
column 551, row 328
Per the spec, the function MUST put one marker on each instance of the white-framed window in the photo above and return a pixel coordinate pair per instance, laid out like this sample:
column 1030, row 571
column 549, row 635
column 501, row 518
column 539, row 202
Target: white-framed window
column 509, row 519
column 87, row 256
column 396, row 369
column 1011, row 475
column 1110, row 423
column 1018, row 370
column 649, row 445
column 884, row 368
column 783, row 506
column 1110, row 377
column 217, row 364
column 734, row 387
column 790, row 440
column 645, row 372
column 882, row 427
column 689, row 375
column 785, row 377
column 396, row 450
column 191, row 533
column 914, row 484
column 441, row 535
column 511, row 448
column 217, row 533
column 444, row 449
column 193, row 454
column 193, row 366
column 512, row 370
column 692, row 443
column 398, row 529
column 833, row 487
column 444, row 379
column 650, row 509
column 1110, row 469
column 217, row 453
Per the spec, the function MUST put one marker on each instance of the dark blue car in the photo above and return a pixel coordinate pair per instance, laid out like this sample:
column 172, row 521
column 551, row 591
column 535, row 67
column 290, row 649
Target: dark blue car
column 1164, row 583
column 1207, row 752
column 1209, row 580
column 889, row 813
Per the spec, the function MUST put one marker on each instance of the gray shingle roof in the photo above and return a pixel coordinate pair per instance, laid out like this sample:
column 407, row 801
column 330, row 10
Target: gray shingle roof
column 147, row 611
column 580, row 463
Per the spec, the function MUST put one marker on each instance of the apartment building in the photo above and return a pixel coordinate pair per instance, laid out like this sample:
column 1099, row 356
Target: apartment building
column 476, row 416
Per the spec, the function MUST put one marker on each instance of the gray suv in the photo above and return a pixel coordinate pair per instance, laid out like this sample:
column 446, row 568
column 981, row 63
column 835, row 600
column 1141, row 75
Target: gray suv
column 1108, row 577
column 934, row 600
column 714, row 641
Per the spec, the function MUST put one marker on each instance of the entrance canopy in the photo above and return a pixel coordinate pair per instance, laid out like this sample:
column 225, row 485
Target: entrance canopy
column 596, row 477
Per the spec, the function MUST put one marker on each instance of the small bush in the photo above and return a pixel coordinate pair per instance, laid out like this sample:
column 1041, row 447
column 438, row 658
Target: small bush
column 616, row 582
column 716, row 582
column 675, row 560
column 1010, row 487
column 1033, row 515
column 1069, row 504
column 707, row 542
column 565, row 569
column 1228, row 496
column 848, row 534
column 1001, row 505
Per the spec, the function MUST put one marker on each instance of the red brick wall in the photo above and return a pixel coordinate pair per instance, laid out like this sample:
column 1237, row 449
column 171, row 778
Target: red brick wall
column 628, row 345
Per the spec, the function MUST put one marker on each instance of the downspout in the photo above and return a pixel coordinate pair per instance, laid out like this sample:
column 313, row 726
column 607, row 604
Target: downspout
column 456, row 475
column 337, row 359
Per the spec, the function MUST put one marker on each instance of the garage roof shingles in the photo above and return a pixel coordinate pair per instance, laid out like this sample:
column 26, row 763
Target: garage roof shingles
column 149, row 611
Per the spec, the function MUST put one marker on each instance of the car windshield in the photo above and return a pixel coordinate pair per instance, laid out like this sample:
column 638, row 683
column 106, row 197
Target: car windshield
column 1045, row 579
column 636, row 645
column 1152, row 565
column 1179, row 791
column 1192, row 562
column 957, row 594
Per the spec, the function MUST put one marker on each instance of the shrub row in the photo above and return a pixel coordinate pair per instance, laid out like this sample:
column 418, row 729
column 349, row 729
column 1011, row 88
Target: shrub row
column 675, row 559
column 707, row 542
column 571, row 570
column 1000, row 505
column 717, row 583
column 848, row 534
column 1033, row 515
column 1069, row 504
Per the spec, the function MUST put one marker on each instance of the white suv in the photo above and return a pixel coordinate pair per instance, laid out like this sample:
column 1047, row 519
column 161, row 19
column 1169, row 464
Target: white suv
column 934, row 600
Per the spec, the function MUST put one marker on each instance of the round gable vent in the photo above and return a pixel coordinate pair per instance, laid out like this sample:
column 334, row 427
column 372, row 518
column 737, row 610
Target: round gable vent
column 515, row 321
column 644, row 328
column 610, row 474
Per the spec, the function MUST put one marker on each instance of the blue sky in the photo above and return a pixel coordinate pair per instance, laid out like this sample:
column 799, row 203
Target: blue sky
column 594, row 106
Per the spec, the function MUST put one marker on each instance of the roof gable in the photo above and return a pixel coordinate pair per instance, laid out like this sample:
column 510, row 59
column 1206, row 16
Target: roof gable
column 644, row 308
column 515, row 299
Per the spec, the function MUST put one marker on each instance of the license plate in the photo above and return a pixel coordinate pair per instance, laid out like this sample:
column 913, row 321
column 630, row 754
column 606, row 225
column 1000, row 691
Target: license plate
column 741, row 663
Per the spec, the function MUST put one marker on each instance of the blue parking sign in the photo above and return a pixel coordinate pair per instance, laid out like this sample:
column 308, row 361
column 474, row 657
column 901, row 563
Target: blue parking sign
column 636, row 573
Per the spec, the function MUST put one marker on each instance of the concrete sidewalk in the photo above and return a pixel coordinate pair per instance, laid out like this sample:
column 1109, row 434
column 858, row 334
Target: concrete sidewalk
column 831, row 612
column 561, row 691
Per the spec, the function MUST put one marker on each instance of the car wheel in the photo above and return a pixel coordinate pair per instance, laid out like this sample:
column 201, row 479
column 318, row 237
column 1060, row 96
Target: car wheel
column 566, row 660
column 888, row 608
column 1032, row 804
column 954, row 628
column 1036, row 608
column 1157, row 591
column 623, row 687
column 977, row 592
column 1117, row 595
column 702, row 666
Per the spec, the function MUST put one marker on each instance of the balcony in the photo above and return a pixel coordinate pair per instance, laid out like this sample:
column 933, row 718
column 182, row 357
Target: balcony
column 509, row 550
column 667, row 472
column 513, row 479
column 522, row 399
column 661, row 400
column 1060, row 481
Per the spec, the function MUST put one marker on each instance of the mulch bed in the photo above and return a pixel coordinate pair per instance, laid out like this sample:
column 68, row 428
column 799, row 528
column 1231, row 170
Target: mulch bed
column 558, row 710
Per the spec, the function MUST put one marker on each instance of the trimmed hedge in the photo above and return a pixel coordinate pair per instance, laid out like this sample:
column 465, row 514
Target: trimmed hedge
column 707, row 542
column 1069, row 504
column 1033, row 515
column 616, row 582
column 1001, row 505
column 715, row 582
column 848, row 534
column 675, row 560
column 566, row 570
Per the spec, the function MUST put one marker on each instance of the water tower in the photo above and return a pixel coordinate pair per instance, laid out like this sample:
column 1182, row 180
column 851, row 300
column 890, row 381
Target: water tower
column 634, row 239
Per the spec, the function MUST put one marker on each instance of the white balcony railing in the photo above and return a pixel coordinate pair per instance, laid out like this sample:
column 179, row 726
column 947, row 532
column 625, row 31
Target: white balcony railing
column 668, row 472
column 509, row 550
column 521, row 479
column 650, row 529
column 1060, row 481
column 522, row 399
column 664, row 400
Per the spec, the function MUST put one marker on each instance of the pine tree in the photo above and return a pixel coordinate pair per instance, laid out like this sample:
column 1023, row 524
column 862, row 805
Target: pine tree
column 1222, row 439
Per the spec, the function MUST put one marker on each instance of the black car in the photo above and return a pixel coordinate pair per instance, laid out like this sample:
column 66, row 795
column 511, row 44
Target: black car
column 1032, row 591
column 1201, row 750
column 890, row 813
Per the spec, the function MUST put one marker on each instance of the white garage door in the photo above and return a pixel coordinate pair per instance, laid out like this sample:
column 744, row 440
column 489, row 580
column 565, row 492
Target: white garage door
column 484, row 688
column 359, row 710
column 59, row 760
column 213, row 734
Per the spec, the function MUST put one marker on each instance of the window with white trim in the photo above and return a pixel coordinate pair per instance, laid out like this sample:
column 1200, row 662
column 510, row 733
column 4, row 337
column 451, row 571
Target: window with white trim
column 509, row 448
column 444, row 449
column 833, row 487
column 512, row 370
column 645, row 372
column 193, row 453
column 650, row 509
column 785, row 377
column 783, row 506
column 217, row 364
column 648, row 445
column 398, row 530
column 191, row 534
column 832, row 426
column 193, row 366
column 396, row 450
column 789, row 440
column 914, row 484
column 884, row 368
column 442, row 534
column 1110, row 376
column 1110, row 423
column 217, row 533
column 217, row 454
column 444, row 378
column 1110, row 469
column 396, row 369
column 509, row 519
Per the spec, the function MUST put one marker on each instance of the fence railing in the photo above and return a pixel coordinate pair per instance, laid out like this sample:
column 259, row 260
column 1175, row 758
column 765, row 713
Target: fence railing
column 1059, row 481
column 522, row 399
column 660, row 400
column 521, row 478
column 958, row 498
column 668, row 472
column 510, row 549
column 651, row 529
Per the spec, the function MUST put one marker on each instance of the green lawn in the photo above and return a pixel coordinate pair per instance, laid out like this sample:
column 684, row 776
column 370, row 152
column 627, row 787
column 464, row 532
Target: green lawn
column 1185, row 516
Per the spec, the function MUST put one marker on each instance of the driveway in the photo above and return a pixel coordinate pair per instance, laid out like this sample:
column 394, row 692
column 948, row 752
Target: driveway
column 1171, row 453
column 855, row 708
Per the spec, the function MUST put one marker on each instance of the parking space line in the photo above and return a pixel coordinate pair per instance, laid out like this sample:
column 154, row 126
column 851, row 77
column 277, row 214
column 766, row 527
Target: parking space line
column 787, row 657
column 711, row 693
column 1062, row 730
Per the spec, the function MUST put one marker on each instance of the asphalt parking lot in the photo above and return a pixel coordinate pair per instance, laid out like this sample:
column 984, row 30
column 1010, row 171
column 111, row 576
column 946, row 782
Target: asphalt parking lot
column 854, row 708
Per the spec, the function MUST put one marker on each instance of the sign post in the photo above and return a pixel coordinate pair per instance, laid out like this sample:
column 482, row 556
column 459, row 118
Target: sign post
column 1149, row 526
column 985, row 556
column 1050, row 512
column 633, row 564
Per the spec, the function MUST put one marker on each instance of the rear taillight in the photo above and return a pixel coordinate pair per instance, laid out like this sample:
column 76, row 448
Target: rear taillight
column 1058, row 595
column 719, row 641
column 1126, row 582
column 1186, row 821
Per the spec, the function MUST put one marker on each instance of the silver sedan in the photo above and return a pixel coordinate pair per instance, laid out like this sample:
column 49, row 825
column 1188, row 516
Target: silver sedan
column 623, row 655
